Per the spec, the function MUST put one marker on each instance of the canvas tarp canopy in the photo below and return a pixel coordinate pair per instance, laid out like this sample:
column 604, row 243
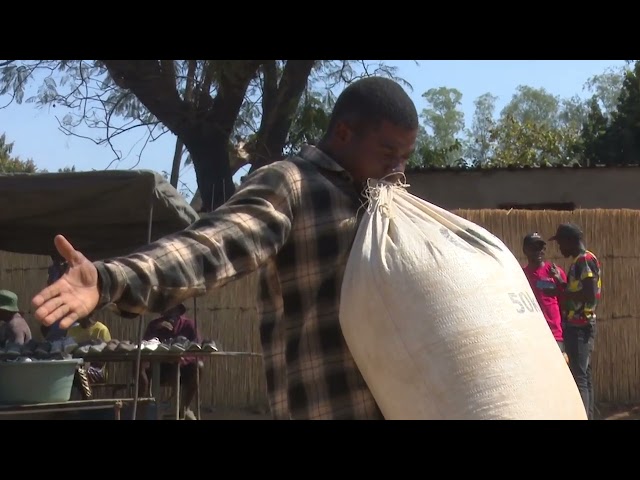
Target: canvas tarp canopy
column 102, row 213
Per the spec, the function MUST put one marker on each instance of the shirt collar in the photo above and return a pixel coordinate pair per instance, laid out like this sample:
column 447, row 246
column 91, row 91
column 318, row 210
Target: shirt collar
column 319, row 158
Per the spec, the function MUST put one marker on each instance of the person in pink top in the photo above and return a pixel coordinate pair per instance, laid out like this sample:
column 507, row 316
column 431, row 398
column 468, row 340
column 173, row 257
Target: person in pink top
column 540, row 274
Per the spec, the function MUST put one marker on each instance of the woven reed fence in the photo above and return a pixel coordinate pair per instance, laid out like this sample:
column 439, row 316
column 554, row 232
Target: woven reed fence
column 229, row 316
column 612, row 235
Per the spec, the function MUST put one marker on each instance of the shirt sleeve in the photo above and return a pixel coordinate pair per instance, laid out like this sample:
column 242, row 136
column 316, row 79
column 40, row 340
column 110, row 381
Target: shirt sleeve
column 587, row 267
column 104, row 334
column 234, row 240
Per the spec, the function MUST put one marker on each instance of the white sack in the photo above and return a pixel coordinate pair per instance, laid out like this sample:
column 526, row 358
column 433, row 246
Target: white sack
column 442, row 322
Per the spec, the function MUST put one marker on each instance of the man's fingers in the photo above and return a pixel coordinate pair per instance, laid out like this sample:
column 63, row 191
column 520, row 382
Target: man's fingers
column 52, row 311
column 65, row 248
column 48, row 308
column 64, row 307
column 46, row 294
column 69, row 320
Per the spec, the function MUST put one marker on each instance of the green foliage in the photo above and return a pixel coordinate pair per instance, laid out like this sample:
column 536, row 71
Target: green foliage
column 11, row 164
column 311, row 120
column 90, row 95
column 611, row 134
column 534, row 128
column 530, row 143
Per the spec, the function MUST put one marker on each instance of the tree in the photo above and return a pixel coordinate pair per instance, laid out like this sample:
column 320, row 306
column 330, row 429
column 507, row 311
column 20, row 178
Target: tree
column 573, row 113
column 534, row 106
column 212, row 106
column 606, row 87
column 593, row 142
column 443, row 117
column 479, row 146
column 610, row 133
column 623, row 135
column 428, row 154
column 531, row 144
column 11, row 164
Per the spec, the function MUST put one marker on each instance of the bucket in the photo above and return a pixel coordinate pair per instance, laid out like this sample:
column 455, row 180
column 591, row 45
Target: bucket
column 38, row 381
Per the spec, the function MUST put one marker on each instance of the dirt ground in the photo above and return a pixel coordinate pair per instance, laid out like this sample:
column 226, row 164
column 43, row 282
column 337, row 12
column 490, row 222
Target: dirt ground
column 619, row 412
column 606, row 412
column 226, row 414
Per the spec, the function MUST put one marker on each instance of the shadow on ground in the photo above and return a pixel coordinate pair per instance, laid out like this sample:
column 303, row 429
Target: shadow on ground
column 619, row 412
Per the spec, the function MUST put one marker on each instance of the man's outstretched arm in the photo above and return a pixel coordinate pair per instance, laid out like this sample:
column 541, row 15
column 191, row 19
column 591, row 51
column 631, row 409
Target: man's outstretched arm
column 231, row 242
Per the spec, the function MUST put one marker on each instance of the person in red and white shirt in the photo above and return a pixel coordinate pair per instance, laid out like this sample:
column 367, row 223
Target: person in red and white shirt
column 541, row 276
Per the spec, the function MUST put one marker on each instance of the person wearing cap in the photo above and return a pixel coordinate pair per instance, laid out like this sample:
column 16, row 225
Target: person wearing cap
column 13, row 327
column 581, row 294
column 539, row 273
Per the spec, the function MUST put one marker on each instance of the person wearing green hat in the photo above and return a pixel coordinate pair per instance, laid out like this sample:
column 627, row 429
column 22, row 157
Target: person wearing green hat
column 13, row 327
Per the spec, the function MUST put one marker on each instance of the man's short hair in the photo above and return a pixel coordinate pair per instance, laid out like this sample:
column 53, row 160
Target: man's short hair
column 370, row 101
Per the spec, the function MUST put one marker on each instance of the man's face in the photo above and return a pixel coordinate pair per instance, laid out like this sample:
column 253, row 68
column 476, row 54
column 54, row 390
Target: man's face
column 173, row 313
column 375, row 152
column 565, row 245
column 535, row 251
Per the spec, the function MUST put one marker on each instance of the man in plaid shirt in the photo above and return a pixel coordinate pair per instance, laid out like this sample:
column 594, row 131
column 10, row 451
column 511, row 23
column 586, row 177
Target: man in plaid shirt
column 294, row 221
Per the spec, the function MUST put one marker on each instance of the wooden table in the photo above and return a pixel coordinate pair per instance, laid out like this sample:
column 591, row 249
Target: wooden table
column 155, row 360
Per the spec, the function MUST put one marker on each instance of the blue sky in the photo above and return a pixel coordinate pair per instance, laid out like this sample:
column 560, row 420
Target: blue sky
column 36, row 135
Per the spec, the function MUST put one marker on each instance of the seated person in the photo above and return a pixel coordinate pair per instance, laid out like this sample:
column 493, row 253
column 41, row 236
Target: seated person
column 55, row 271
column 14, row 329
column 171, row 325
column 85, row 331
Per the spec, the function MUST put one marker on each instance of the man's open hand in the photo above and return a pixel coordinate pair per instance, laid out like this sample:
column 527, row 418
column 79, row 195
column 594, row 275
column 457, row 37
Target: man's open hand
column 74, row 295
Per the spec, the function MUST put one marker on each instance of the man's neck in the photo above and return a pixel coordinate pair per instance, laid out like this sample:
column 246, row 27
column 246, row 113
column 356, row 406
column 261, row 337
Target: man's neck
column 579, row 251
column 325, row 147
column 8, row 318
column 535, row 265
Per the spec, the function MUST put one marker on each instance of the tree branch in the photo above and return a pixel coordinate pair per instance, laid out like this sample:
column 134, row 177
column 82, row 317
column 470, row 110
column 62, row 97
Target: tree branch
column 278, row 111
column 155, row 89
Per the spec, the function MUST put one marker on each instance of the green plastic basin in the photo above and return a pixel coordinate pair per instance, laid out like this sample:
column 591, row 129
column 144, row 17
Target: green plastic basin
column 38, row 381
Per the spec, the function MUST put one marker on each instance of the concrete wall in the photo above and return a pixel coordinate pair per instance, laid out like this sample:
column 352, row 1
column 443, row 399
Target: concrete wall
column 613, row 187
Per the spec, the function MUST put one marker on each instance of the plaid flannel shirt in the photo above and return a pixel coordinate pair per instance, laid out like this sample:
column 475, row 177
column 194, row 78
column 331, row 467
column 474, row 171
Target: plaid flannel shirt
column 294, row 220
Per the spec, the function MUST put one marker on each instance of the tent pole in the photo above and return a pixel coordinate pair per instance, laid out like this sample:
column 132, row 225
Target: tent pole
column 141, row 328
column 195, row 322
